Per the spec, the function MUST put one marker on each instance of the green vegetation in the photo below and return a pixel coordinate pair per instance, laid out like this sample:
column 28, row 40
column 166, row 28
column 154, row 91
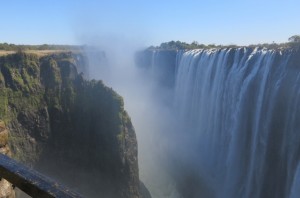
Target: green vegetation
column 39, row 93
column 3, row 103
column 54, row 114
column 294, row 42
column 295, row 39
column 178, row 45
column 20, row 87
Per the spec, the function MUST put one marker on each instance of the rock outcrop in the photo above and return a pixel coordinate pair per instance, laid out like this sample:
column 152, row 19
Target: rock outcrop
column 6, row 189
column 74, row 130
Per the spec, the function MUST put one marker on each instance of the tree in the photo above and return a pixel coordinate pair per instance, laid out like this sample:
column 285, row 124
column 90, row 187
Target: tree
column 295, row 39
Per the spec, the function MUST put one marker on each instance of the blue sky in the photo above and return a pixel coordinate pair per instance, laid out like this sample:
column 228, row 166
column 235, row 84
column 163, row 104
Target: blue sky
column 149, row 22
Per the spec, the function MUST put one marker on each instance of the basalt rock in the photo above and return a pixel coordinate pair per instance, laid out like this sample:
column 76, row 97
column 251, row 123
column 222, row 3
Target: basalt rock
column 6, row 189
column 74, row 130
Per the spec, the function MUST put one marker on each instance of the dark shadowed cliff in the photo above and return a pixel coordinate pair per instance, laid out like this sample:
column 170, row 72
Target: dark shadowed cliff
column 74, row 130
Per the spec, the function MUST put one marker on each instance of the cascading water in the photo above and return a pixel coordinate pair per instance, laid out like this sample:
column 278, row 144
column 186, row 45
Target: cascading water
column 240, row 108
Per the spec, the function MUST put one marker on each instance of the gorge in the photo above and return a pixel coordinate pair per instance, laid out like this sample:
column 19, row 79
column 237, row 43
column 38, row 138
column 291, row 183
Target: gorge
column 141, row 99
column 211, row 122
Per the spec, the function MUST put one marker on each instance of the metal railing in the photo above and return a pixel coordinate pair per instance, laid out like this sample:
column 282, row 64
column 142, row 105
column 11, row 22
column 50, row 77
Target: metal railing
column 32, row 182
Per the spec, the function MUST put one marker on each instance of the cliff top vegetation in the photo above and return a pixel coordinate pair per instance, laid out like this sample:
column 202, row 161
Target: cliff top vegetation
column 293, row 42
column 14, row 47
column 40, row 50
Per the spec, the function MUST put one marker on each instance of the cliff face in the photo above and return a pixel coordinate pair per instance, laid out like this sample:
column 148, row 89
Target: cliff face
column 74, row 130
column 6, row 189
column 161, row 64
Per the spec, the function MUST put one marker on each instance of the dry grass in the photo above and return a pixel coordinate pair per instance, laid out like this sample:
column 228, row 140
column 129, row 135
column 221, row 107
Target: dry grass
column 4, row 53
column 40, row 53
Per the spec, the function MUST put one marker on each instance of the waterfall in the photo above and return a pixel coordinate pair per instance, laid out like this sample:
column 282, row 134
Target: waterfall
column 153, row 63
column 240, row 108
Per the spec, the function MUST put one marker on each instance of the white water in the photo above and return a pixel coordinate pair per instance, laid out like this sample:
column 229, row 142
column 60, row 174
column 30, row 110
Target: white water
column 240, row 110
column 236, row 122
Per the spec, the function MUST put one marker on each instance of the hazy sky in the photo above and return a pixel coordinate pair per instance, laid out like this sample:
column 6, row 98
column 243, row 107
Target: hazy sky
column 149, row 22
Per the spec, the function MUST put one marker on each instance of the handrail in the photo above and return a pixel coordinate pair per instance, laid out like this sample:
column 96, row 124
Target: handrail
column 32, row 182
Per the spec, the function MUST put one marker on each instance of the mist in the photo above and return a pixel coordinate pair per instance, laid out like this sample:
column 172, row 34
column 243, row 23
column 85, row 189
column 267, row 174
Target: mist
column 148, row 105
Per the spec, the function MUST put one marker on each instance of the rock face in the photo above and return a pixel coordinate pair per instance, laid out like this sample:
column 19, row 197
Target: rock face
column 75, row 131
column 161, row 64
column 6, row 189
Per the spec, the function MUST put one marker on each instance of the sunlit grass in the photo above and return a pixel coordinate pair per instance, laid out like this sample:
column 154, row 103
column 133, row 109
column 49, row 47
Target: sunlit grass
column 40, row 53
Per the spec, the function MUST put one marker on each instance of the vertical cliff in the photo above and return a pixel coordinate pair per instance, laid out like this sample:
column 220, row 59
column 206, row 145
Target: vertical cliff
column 75, row 130
column 160, row 64
column 6, row 189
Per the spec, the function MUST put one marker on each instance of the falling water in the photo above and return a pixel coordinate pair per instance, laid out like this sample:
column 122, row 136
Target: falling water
column 240, row 108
